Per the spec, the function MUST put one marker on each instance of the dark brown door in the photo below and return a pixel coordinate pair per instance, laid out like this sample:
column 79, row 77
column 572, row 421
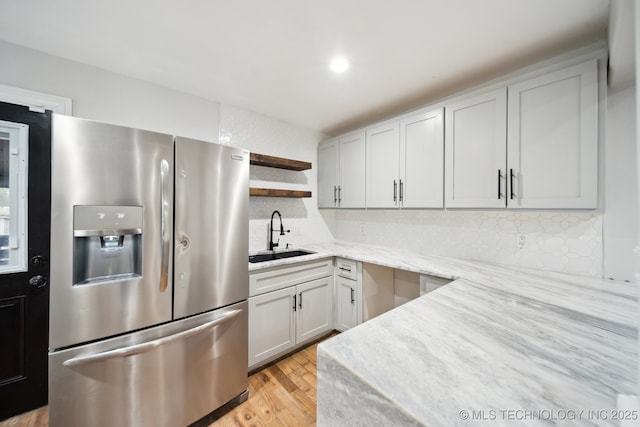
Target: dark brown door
column 25, row 218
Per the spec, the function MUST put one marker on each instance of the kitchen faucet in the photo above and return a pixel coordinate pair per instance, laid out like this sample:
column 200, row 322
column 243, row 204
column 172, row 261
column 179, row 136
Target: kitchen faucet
column 272, row 245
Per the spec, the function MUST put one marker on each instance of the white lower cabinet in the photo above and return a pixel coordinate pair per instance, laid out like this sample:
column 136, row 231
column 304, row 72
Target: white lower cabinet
column 282, row 319
column 348, row 297
column 272, row 327
column 346, row 304
column 313, row 314
column 292, row 305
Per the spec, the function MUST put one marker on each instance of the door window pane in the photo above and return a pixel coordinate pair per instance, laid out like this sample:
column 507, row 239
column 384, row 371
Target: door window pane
column 13, row 196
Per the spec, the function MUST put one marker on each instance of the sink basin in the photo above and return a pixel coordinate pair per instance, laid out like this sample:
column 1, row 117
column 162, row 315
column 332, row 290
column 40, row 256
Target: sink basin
column 277, row 255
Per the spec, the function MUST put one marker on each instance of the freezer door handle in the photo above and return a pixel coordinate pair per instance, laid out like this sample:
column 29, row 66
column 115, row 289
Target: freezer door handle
column 164, row 212
column 149, row 345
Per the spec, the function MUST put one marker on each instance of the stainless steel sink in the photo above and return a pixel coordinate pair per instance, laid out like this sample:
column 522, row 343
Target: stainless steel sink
column 277, row 255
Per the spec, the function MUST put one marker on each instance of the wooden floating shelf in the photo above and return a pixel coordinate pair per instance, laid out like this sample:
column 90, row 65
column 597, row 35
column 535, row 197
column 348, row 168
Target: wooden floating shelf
column 278, row 162
column 273, row 192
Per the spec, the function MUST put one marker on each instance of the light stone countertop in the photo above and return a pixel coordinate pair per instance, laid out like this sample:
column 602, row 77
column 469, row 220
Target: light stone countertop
column 517, row 346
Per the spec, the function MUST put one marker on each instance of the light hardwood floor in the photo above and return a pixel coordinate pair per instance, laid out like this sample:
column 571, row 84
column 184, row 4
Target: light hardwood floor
column 281, row 394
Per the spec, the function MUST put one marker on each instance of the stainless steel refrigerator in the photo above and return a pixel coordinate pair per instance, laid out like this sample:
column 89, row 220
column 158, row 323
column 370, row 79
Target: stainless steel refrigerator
column 149, row 280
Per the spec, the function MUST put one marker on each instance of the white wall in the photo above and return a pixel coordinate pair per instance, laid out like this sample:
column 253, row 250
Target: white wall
column 621, row 185
column 264, row 135
column 108, row 97
column 112, row 98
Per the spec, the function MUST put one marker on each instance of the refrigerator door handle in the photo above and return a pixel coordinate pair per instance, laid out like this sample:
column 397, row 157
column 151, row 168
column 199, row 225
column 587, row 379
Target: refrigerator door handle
column 164, row 211
column 149, row 345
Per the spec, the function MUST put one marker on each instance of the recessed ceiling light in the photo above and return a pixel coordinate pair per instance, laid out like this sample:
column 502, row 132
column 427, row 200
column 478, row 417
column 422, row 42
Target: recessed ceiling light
column 339, row 65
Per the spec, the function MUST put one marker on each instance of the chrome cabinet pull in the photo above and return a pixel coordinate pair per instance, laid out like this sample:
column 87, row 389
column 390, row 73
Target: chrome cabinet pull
column 164, row 230
column 401, row 190
column 352, row 298
column 499, row 189
column 335, row 194
column 345, row 269
column 300, row 301
column 149, row 345
column 294, row 302
column 339, row 194
column 395, row 191
column 511, row 184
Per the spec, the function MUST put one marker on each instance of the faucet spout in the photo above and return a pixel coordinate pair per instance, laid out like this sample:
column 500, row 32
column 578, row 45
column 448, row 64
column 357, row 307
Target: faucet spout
column 273, row 245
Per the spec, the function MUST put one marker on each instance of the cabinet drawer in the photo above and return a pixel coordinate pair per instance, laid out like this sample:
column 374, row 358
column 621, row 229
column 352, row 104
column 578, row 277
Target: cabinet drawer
column 347, row 268
column 290, row 275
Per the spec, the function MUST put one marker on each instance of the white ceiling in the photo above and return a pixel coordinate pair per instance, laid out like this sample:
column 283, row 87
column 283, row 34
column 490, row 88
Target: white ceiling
column 271, row 56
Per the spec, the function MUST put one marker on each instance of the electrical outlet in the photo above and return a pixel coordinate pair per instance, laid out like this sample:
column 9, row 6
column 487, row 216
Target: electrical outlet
column 521, row 240
column 363, row 230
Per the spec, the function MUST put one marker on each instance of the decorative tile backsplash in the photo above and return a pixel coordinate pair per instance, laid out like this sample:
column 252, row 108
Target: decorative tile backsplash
column 557, row 241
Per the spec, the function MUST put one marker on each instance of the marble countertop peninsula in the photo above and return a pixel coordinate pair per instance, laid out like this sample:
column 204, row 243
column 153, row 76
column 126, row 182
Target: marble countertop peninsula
column 499, row 345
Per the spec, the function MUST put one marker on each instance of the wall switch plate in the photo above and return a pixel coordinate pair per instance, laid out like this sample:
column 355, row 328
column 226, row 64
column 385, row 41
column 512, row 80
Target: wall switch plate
column 521, row 240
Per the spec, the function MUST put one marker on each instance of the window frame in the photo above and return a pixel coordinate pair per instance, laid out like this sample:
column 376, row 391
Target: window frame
column 18, row 200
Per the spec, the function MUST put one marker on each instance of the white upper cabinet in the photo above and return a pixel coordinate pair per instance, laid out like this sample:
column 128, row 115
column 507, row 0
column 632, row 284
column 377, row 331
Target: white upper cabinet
column 529, row 142
column 476, row 151
column 553, row 140
column 405, row 162
column 328, row 174
column 422, row 160
column 383, row 165
column 351, row 189
column 341, row 172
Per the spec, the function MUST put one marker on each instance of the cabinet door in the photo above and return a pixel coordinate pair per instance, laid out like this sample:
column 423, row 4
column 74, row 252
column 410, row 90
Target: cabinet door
column 383, row 162
column 553, row 139
column 328, row 178
column 422, row 160
column 346, row 303
column 271, row 325
column 351, row 193
column 475, row 151
column 314, row 309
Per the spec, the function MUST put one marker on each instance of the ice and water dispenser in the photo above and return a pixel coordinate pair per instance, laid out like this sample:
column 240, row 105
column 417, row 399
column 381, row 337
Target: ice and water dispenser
column 107, row 243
